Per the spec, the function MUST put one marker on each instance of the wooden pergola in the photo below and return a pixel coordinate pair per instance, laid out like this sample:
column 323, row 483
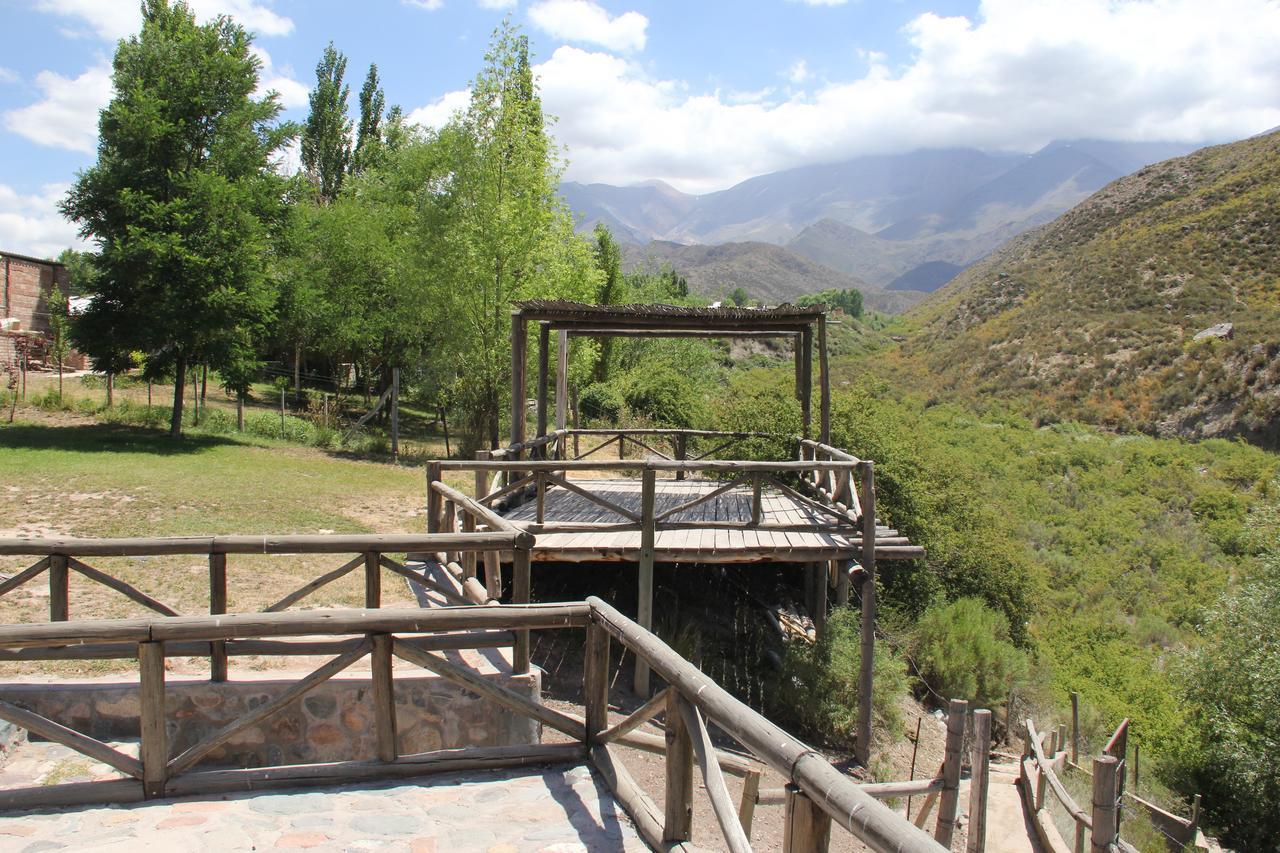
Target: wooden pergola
column 576, row 319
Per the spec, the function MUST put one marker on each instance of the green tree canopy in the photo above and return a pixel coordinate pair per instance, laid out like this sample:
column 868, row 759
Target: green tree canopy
column 369, row 132
column 326, row 137
column 182, row 200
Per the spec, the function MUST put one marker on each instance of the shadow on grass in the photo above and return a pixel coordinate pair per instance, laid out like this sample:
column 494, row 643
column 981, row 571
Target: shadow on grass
column 108, row 438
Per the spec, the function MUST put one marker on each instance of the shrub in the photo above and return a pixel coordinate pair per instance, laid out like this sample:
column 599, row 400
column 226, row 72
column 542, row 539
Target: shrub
column 962, row 651
column 600, row 402
column 662, row 396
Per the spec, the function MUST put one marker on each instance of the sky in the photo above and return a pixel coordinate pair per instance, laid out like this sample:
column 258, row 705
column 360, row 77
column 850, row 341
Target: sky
column 699, row 93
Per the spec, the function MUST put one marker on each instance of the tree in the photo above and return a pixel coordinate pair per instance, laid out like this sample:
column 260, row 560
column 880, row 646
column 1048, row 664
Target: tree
column 369, row 132
column 59, row 327
column 739, row 296
column 609, row 262
column 508, row 235
column 182, row 201
column 82, row 270
column 326, row 137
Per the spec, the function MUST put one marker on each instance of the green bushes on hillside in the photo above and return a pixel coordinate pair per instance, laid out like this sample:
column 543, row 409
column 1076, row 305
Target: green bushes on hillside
column 961, row 650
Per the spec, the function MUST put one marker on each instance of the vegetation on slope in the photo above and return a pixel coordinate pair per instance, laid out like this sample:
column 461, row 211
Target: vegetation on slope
column 1093, row 317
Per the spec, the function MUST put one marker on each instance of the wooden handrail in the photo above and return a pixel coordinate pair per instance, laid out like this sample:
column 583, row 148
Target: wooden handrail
column 1055, row 784
column 674, row 465
column 293, row 544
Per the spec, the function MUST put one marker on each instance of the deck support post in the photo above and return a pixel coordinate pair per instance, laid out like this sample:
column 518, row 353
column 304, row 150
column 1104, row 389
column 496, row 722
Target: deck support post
column 682, row 451
column 544, row 364
column 217, row 606
column 384, row 697
column 807, row 828
column 824, row 384
column 1106, row 803
column 678, row 823
column 562, row 385
column 644, row 608
column 433, row 497
column 521, row 587
column 372, row 580
column 59, row 577
column 519, row 353
column 154, row 749
column 867, row 494
column 949, row 801
column 818, row 602
column 595, row 688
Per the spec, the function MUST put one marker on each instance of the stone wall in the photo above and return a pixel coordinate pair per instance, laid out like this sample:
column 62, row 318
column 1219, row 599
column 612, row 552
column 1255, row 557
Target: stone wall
column 333, row 722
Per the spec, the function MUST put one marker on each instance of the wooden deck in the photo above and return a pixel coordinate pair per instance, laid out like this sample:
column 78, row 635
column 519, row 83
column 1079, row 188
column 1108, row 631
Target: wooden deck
column 692, row 544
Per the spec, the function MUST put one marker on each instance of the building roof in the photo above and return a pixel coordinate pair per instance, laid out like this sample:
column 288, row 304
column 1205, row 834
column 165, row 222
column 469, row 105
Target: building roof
column 570, row 315
column 33, row 260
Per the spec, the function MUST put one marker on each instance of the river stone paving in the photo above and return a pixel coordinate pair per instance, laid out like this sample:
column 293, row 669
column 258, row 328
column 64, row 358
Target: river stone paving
column 542, row 810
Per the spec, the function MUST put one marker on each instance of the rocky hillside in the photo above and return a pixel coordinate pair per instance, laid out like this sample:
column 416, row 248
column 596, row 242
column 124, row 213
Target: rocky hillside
column 1153, row 305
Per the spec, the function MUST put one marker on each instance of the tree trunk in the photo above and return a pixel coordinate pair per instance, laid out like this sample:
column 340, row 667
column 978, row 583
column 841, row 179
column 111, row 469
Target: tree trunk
column 59, row 382
column 111, row 390
column 297, row 371
column 204, row 384
column 179, row 396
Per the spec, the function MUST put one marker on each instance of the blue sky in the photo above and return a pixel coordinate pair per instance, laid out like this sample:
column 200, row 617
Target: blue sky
column 701, row 93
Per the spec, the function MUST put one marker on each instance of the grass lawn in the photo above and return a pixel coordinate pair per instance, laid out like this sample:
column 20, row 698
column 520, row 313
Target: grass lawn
column 68, row 475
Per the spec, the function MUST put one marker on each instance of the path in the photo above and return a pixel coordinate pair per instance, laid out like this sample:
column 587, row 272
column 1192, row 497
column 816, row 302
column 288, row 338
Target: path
column 1007, row 828
column 548, row 810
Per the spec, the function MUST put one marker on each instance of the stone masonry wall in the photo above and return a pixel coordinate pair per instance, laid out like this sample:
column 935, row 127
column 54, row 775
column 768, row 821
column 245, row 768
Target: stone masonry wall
column 333, row 722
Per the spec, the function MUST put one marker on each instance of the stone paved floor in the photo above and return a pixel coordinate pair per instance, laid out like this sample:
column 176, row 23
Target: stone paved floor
column 544, row 810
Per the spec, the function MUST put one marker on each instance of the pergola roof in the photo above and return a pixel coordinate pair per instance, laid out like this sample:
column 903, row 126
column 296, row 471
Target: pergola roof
column 604, row 319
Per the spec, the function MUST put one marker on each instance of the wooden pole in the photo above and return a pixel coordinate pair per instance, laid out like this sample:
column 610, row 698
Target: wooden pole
column 1075, row 728
column 980, row 781
column 949, row 801
column 372, row 580
column 434, row 498
column 757, row 504
column 239, row 409
column 807, row 828
column 806, row 383
column 798, row 349
column 678, row 823
column 59, row 591
column 866, row 673
column 842, row 582
column 824, row 384
column 281, row 413
column 395, row 413
column 521, row 588
column 747, row 805
column 682, row 452
column 519, row 346
column 915, row 748
column 217, row 607
column 1106, row 804
column 151, row 712
column 818, row 576
column 595, row 677
column 562, row 379
column 384, row 697
column 544, row 369
column 644, row 607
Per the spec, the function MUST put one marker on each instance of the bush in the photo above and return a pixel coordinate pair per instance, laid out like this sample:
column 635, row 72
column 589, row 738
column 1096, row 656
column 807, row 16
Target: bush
column 600, row 402
column 662, row 396
column 962, row 651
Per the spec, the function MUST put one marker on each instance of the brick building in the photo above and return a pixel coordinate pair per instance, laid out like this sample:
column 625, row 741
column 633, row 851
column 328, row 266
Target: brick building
column 24, row 301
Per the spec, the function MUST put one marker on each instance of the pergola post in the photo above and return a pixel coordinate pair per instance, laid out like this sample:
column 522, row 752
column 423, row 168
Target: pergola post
column 519, row 349
column 806, row 380
column 562, row 378
column 824, row 384
column 544, row 361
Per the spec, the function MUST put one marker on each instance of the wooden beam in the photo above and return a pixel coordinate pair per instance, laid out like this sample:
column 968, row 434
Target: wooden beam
column 521, row 590
column 311, row 586
column 59, row 606
column 519, row 346
column 637, row 804
column 807, row 828
column 562, row 380
column 151, row 713
column 645, row 574
column 81, row 743
column 127, row 590
column 949, row 801
column 717, row 791
column 372, row 580
column 595, row 688
column 384, row 697
column 217, row 607
column 980, row 782
column 867, row 662
column 25, row 575
column 544, row 364
column 806, row 381
column 637, row 718
column 824, row 384
column 677, row 822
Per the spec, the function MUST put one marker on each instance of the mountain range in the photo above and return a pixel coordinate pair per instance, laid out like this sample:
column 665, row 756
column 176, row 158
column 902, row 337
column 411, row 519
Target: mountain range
column 894, row 222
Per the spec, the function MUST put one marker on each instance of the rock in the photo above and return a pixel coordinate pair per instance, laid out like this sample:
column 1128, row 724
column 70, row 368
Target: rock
column 1222, row 331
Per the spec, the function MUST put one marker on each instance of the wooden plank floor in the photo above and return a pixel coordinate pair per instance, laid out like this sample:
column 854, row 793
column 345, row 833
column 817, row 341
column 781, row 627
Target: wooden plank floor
column 701, row 545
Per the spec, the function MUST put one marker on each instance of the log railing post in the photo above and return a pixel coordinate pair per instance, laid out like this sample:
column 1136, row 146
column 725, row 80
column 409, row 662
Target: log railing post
column 1075, row 728
column 521, row 588
column 747, row 805
column 867, row 663
column 595, row 677
column 384, row 697
column 482, row 477
column 468, row 557
column 980, row 781
column 59, row 589
column 217, row 606
column 544, row 364
column 757, row 502
column 644, row 607
column 678, row 823
column 540, row 480
column 372, row 580
column 433, row 497
column 682, row 452
column 949, row 800
column 154, row 748
column 807, row 828
column 1106, row 803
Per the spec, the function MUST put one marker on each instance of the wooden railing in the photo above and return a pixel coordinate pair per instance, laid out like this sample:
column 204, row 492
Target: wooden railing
column 817, row 795
column 59, row 557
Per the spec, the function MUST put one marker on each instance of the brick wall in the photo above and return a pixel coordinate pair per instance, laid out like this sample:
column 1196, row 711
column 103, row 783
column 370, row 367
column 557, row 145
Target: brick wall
column 27, row 285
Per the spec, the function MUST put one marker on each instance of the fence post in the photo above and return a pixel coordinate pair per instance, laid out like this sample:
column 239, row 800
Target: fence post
column 59, row 578
column 372, row 581
column 645, row 607
column 1106, row 805
column 980, row 781
column 867, row 663
column 1075, row 728
column 678, row 822
column 747, row 805
column 757, row 502
column 154, row 749
column 682, row 453
column 395, row 414
column 468, row 556
column 521, row 587
column 384, row 698
column 540, row 480
column 949, row 801
column 217, row 606
column 433, row 497
column 807, row 828
column 595, row 676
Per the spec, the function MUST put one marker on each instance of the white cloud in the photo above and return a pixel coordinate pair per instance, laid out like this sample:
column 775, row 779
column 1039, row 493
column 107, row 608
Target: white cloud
column 1015, row 77
column 8, row 75
column 584, row 21
column 798, row 72
column 496, row 4
column 32, row 225
column 429, row 5
column 439, row 111
column 292, row 93
column 67, row 116
column 116, row 19
column 821, row 2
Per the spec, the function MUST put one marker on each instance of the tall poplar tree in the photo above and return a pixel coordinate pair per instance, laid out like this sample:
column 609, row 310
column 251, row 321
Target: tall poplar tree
column 326, row 137
column 182, row 200
column 373, row 101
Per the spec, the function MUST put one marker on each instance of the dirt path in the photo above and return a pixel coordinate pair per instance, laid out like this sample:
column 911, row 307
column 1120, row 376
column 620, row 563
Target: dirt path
column 1008, row 830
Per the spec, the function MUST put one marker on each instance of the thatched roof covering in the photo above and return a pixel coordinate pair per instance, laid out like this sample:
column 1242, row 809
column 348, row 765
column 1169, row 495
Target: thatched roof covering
column 563, row 314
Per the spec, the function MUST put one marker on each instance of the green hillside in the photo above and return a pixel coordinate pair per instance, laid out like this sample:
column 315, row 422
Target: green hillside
column 1094, row 316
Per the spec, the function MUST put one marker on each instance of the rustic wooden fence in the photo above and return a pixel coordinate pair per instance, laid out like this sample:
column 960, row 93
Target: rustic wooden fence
column 57, row 558
column 817, row 795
